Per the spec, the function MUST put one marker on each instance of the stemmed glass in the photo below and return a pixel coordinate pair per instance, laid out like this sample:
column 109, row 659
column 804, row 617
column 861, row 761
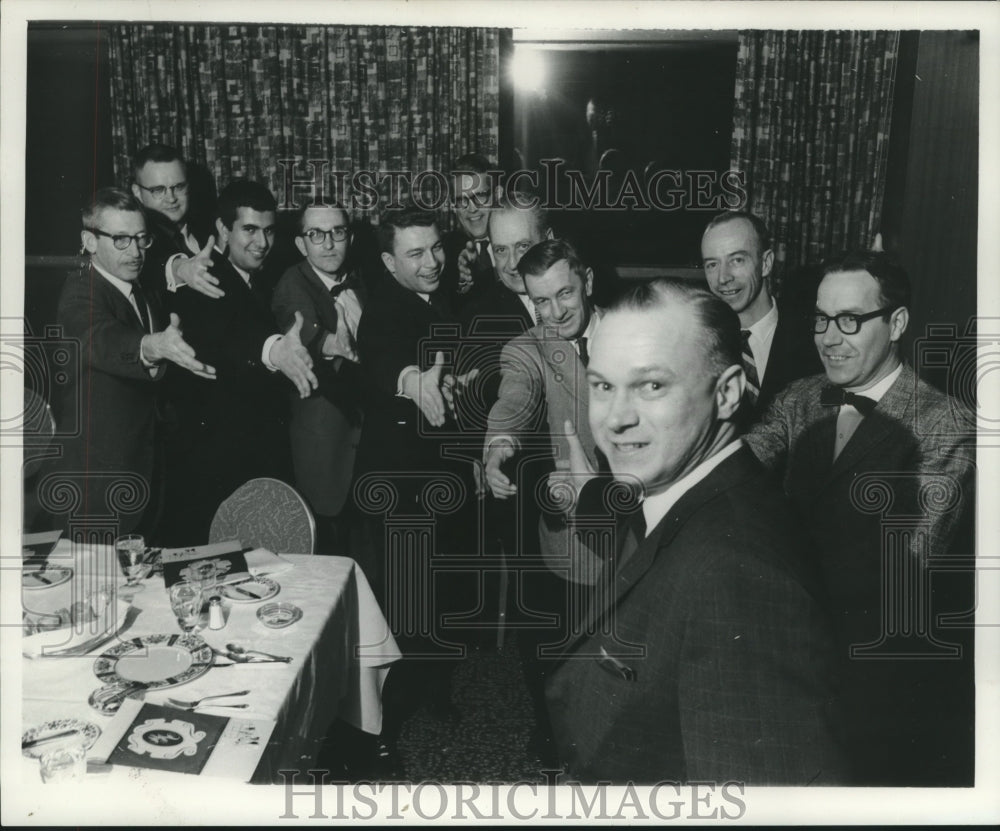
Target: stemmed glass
column 131, row 551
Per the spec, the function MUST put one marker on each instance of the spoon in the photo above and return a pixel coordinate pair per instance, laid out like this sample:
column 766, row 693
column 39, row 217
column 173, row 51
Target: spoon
column 240, row 651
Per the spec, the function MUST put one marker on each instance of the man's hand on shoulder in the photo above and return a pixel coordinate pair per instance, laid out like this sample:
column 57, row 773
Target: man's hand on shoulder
column 169, row 345
column 194, row 272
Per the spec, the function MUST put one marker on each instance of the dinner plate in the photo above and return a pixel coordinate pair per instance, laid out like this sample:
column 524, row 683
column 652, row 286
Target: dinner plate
column 157, row 661
column 253, row 590
column 87, row 734
column 45, row 576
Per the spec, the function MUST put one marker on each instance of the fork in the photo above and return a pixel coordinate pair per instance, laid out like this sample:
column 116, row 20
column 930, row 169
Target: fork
column 190, row 705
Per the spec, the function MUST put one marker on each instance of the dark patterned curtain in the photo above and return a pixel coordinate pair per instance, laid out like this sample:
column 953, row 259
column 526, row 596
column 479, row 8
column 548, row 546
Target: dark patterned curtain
column 239, row 98
column 811, row 132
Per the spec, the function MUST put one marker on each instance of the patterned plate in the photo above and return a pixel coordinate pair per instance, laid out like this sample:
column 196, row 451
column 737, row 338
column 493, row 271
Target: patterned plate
column 157, row 661
column 87, row 734
column 251, row 591
column 45, row 577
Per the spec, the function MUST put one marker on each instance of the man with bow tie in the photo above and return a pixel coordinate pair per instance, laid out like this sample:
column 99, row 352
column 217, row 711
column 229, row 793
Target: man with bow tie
column 325, row 427
column 879, row 465
column 124, row 345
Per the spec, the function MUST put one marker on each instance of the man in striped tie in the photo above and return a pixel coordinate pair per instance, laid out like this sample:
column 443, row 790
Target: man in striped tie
column 738, row 260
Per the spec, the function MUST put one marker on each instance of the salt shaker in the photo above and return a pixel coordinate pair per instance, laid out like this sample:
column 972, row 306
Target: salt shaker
column 216, row 618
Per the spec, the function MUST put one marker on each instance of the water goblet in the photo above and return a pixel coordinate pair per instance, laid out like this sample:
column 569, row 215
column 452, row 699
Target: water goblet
column 185, row 601
column 131, row 551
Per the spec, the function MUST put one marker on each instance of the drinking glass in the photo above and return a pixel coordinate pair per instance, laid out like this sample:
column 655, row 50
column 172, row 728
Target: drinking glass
column 204, row 574
column 185, row 601
column 131, row 551
column 65, row 763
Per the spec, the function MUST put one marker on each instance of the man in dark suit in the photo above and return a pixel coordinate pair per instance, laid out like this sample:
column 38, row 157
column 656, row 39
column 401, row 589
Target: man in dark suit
column 235, row 429
column 181, row 253
column 704, row 653
column 326, row 426
column 408, row 415
column 123, row 346
column 879, row 466
column 737, row 258
column 468, row 267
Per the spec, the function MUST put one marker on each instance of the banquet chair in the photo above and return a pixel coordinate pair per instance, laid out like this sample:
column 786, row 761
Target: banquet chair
column 266, row 513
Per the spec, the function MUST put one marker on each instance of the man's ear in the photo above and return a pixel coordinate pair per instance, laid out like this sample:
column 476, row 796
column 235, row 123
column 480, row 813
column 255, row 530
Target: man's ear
column 549, row 234
column 588, row 284
column 767, row 262
column 300, row 243
column 898, row 321
column 729, row 392
column 222, row 234
column 389, row 262
column 88, row 241
column 137, row 191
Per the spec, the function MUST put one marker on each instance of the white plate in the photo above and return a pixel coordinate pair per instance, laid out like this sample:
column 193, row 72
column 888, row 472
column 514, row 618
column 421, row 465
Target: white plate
column 45, row 576
column 158, row 661
column 251, row 591
column 88, row 735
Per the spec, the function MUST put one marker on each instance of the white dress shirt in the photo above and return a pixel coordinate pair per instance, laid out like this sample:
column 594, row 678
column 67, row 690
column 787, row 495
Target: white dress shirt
column 761, row 337
column 349, row 313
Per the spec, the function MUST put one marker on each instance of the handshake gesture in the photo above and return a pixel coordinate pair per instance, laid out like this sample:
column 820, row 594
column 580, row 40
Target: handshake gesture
column 432, row 392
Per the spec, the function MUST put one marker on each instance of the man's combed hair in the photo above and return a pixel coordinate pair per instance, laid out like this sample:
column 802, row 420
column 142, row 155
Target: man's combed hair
column 523, row 200
column 399, row 219
column 759, row 226
column 242, row 193
column 109, row 198
column 155, row 153
column 892, row 279
column 719, row 324
column 543, row 255
column 472, row 164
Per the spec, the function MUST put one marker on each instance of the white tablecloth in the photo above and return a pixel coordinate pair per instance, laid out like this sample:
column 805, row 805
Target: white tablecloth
column 341, row 650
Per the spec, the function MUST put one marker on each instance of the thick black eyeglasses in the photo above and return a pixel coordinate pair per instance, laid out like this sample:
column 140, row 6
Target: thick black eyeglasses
column 317, row 236
column 161, row 190
column 478, row 198
column 849, row 324
column 123, row 241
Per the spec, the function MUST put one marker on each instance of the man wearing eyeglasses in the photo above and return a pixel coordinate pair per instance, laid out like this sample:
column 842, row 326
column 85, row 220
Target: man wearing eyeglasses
column 325, row 427
column 182, row 245
column 879, row 465
column 468, row 262
column 237, row 429
column 738, row 261
column 124, row 349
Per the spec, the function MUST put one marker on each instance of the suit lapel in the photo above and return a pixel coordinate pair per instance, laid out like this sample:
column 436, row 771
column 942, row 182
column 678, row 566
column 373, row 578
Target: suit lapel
column 892, row 410
column 323, row 297
column 564, row 364
column 124, row 310
column 730, row 473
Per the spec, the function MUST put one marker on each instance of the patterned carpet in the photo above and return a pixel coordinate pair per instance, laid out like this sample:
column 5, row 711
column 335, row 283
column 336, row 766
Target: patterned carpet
column 488, row 742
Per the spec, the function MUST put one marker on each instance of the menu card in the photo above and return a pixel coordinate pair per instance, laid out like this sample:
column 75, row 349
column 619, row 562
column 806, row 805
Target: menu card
column 229, row 557
column 145, row 735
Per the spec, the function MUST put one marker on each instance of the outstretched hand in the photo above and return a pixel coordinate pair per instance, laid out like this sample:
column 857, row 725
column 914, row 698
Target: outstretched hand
column 194, row 272
column 169, row 345
column 424, row 388
column 292, row 359
column 499, row 452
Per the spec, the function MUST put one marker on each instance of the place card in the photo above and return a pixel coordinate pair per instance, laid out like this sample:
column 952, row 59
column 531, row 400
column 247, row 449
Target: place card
column 229, row 556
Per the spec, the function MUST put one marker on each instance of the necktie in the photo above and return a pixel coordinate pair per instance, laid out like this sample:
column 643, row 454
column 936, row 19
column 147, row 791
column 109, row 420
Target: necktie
column 140, row 301
column 342, row 286
column 750, row 368
column 634, row 530
column 836, row 396
column 483, row 256
column 581, row 343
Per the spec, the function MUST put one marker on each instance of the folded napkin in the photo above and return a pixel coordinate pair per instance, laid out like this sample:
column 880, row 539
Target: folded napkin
column 262, row 562
column 49, row 634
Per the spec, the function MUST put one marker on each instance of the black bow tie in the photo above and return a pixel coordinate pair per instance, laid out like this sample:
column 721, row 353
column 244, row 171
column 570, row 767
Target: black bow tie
column 835, row 396
column 343, row 285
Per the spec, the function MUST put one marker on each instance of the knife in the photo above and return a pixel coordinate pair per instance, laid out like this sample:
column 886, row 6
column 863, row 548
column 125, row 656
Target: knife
column 41, row 578
column 49, row 738
column 244, row 591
